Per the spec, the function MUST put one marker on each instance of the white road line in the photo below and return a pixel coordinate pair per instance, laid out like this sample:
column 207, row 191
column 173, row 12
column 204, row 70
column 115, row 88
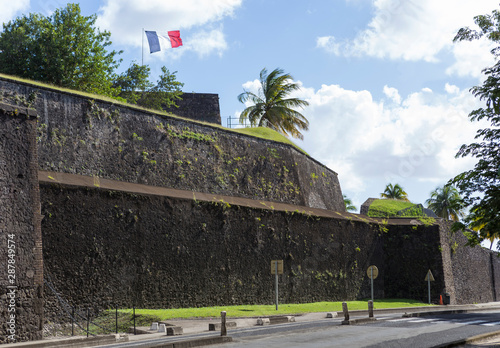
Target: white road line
column 421, row 320
column 491, row 324
column 400, row 319
column 471, row 322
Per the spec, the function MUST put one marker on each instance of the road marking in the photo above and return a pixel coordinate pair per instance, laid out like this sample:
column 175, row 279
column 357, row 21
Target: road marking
column 421, row 320
column 401, row 319
column 471, row 322
column 491, row 324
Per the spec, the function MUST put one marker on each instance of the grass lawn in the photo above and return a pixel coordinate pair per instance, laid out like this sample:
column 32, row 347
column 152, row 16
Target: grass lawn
column 266, row 310
column 267, row 133
column 387, row 207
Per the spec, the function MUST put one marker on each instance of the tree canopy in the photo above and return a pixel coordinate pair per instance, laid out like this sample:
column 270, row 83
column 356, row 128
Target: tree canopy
column 134, row 86
column 272, row 108
column 349, row 206
column 446, row 202
column 64, row 49
column 394, row 192
column 480, row 186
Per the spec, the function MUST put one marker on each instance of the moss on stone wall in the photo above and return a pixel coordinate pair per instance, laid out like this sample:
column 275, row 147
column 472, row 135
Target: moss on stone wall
column 94, row 137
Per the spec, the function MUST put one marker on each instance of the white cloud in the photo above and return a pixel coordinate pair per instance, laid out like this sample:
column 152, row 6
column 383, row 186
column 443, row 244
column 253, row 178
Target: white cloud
column 368, row 142
column 417, row 30
column 471, row 57
column 206, row 42
column 125, row 19
column 451, row 89
column 11, row 8
column 329, row 44
column 393, row 94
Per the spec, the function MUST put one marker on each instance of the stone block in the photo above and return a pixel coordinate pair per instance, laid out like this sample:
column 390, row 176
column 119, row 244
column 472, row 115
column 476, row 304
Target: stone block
column 162, row 328
column 217, row 326
column 174, row 330
column 263, row 321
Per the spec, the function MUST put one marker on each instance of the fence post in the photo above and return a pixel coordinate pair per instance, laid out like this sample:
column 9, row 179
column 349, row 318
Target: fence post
column 72, row 321
column 116, row 326
column 88, row 320
column 223, row 329
column 134, row 322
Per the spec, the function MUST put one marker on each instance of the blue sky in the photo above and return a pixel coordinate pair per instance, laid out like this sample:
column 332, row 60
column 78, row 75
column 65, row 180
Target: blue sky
column 388, row 89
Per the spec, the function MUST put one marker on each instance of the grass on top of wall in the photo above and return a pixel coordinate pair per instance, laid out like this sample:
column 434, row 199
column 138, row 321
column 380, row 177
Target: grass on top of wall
column 259, row 132
column 387, row 207
column 268, row 134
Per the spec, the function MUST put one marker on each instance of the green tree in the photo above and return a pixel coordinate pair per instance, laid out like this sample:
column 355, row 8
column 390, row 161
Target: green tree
column 480, row 186
column 133, row 82
column 64, row 49
column 394, row 192
column 272, row 108
column 349, row 206
column 446, row 202
column 135, row 87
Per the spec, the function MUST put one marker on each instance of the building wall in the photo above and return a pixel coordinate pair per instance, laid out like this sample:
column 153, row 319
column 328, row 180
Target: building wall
column 199, row 107
column 21, row 266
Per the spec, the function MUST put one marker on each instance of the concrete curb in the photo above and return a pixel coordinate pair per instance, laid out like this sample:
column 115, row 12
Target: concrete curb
column 358, row 321
column 421, row 311
column 423, row 314
column 469, row 340
column 77, row 342
column 198, row 342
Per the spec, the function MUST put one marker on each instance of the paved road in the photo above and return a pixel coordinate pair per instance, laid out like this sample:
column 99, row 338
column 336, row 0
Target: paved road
column 390, row 330
column 428, row 331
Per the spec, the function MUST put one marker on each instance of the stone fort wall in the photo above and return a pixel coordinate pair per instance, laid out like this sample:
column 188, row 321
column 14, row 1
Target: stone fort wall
column 82, row 135
column 21, row 265
column 113, row 246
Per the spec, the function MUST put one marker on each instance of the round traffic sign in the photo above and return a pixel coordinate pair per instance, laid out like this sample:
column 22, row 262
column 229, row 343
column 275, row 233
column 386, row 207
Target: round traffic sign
column 372, row 271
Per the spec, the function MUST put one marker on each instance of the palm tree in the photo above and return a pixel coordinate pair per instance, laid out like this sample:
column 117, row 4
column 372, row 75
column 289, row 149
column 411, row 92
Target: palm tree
column 349, row 206
column 395, row 192
column 272, row 108
column 446, row 202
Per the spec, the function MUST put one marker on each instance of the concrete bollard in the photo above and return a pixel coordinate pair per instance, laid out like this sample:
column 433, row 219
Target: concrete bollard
column 162, row 328
column 154, row 326
column 346, row 311
column 263, row 321
column 223, row 329
column 370, row 309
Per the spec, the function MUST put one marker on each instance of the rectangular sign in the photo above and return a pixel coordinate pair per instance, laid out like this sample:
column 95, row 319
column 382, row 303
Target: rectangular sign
column 280, row 266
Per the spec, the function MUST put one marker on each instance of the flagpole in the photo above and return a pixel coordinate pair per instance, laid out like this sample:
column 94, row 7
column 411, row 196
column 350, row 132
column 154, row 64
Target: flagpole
column 142, row 46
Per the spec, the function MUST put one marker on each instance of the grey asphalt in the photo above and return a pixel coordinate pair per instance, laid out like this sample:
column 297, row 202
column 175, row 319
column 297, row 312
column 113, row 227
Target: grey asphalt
column 200, row 326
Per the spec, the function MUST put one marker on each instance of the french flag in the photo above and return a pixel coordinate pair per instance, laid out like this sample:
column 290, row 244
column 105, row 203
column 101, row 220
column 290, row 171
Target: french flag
column 158, row 41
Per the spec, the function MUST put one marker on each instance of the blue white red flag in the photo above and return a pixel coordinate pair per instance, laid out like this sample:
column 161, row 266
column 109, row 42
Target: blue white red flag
column 158, row 41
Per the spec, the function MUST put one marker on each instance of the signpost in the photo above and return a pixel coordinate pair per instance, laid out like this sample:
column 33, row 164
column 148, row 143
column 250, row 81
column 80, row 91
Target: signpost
column 277, row 268
column 372, row 273
column 429, row 278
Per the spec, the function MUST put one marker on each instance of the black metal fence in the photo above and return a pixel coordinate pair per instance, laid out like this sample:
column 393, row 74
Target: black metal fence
column 91, row 322
column 234, row 122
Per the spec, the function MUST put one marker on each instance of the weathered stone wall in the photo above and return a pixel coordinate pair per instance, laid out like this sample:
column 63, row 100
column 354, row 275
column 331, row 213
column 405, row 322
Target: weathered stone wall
column 476, row 271
column 198, row 106
column 98, row 138
column 410, row 251
column 103, row 248
column 21, row 267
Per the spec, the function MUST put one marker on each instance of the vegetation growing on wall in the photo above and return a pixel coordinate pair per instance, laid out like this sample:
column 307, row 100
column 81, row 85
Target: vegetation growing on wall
column 390, row 208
